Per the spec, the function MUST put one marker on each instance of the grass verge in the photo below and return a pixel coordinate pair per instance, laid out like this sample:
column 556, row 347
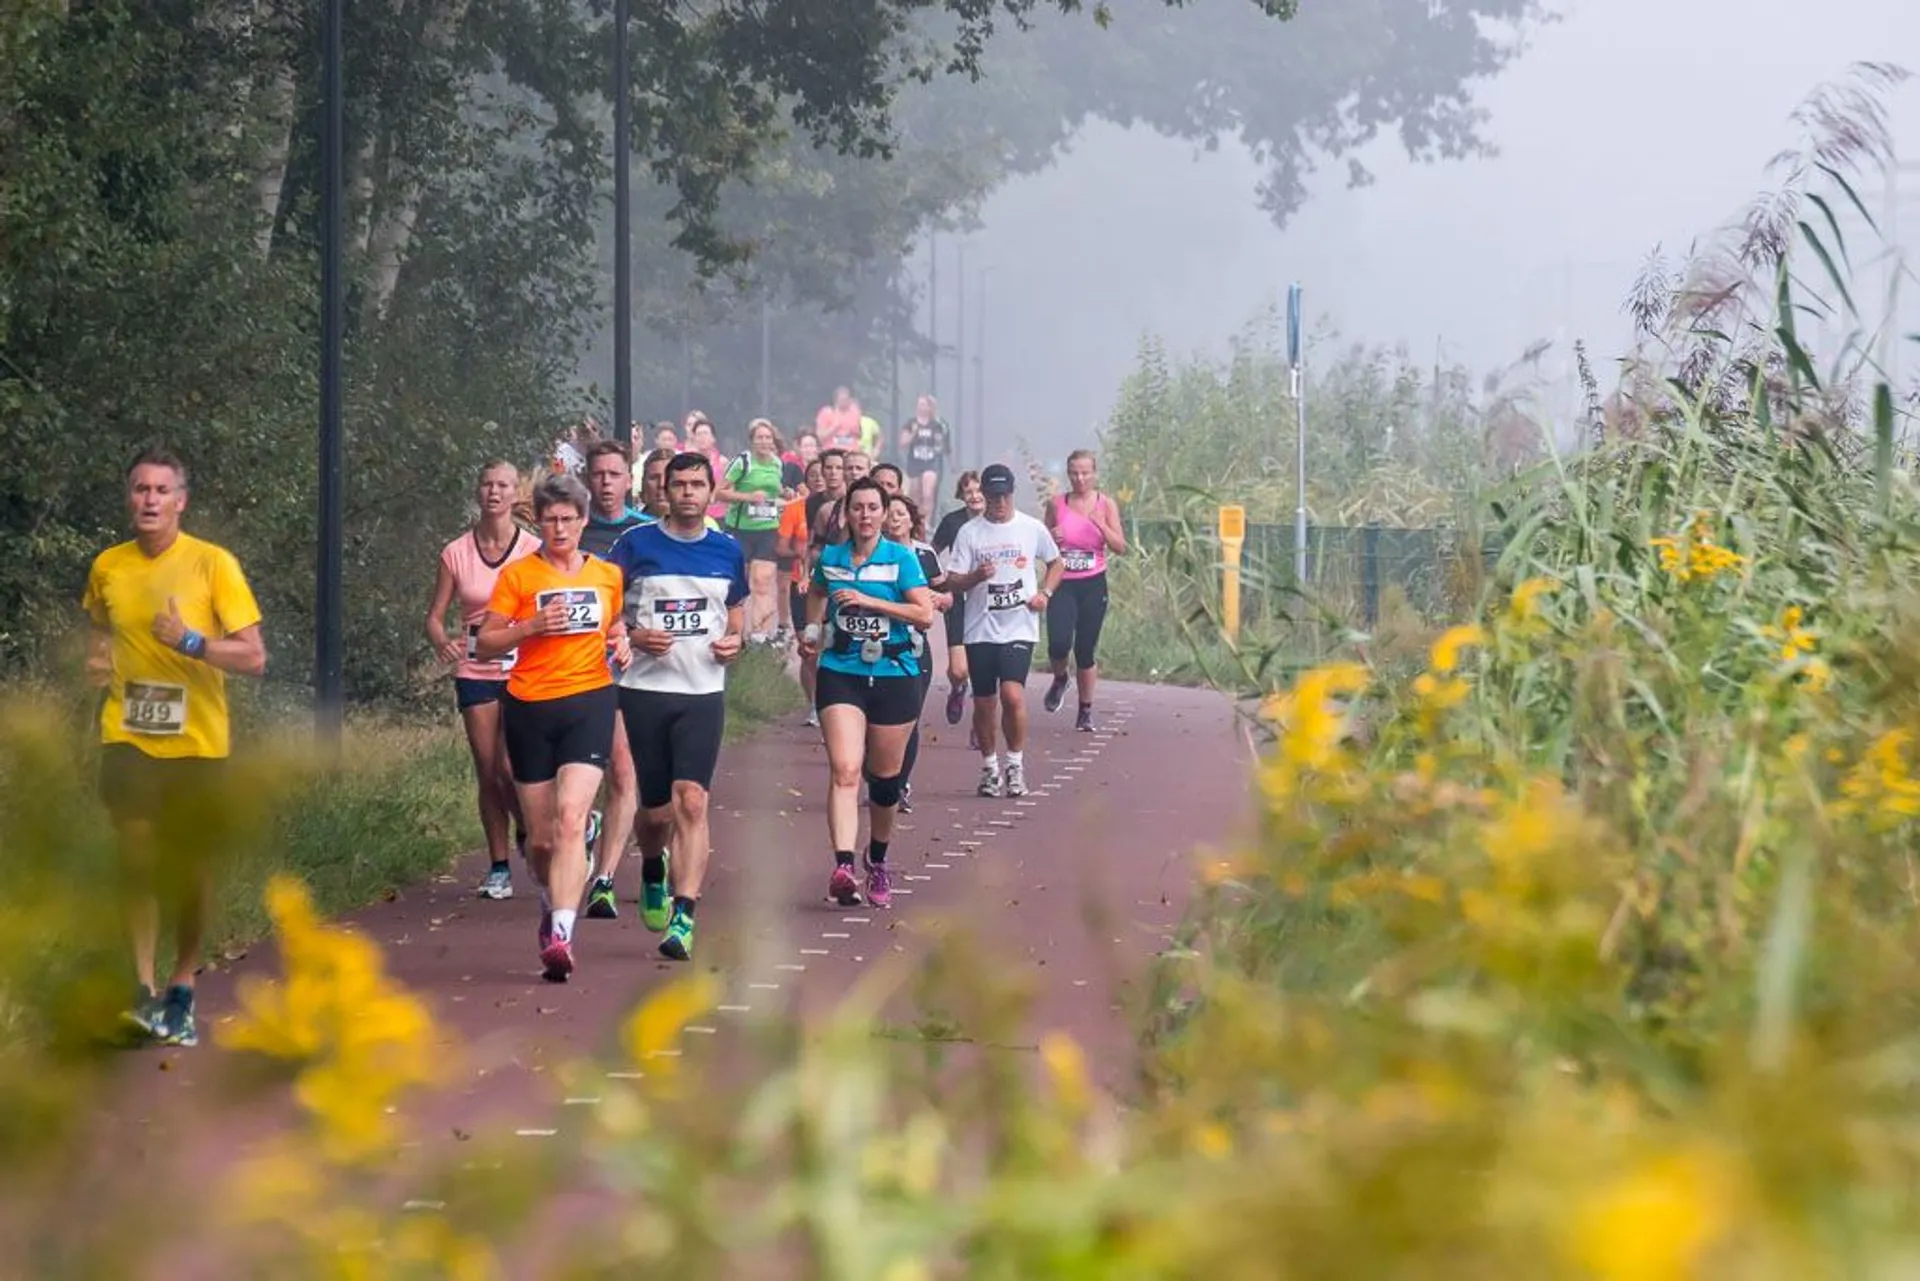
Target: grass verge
column 759, row 692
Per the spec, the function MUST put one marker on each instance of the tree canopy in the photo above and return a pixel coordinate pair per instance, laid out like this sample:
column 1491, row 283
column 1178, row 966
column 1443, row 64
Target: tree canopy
column 159, row 169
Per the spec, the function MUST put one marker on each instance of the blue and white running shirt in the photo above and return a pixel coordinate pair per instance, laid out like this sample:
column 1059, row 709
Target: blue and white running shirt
column 682, row 586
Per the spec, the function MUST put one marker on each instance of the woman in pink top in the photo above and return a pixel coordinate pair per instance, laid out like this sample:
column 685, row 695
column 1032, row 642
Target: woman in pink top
column 700, row 440
column 1086, row 525
column 468, row 566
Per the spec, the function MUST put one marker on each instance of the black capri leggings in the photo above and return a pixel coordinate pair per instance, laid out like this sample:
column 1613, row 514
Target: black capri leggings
column 1075, row 615
column 913, row 741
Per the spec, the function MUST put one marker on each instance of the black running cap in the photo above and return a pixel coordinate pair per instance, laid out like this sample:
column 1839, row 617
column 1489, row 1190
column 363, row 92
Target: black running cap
column 997, row 479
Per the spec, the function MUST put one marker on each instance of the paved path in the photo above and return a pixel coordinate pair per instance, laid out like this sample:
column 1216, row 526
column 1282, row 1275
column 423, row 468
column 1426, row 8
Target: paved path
column 1074, row 888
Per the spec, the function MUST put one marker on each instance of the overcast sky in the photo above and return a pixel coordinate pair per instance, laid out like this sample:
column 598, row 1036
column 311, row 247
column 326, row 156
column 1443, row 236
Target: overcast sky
column 1630, row 123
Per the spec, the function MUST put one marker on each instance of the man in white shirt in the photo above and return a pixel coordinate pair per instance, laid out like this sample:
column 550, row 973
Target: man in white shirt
column 1008, row 564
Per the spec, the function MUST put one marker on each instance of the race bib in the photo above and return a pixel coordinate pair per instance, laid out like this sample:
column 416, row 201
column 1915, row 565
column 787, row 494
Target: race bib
column 682, row 616
column 861, row 625
column 504, row 662
column 1079, row 560
column 763, row 509
column 153, row 709
column 1011, row 595
column 583, row 608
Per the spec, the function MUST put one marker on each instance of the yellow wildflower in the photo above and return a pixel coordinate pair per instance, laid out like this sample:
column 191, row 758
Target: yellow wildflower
column 654, row 1028
column 1313, row 722
column 1880, row 786
column 1694, row 555
column 1213, row 1141
column 1445, row 655
column 1067, row 1068
column 1655, row 1222
column 1789, row 634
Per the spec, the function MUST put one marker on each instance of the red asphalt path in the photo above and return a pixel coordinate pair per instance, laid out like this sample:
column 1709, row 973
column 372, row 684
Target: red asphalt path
column 1076, row 887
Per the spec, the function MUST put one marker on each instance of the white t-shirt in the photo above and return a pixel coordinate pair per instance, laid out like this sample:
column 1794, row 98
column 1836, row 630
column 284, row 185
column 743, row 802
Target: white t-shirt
column 997, row 608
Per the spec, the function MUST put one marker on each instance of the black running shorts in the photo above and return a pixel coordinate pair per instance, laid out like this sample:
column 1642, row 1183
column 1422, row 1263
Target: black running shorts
column 886, row 700
column 675, row 739
column 175, row 795
column 544, row 735
column 991, row 664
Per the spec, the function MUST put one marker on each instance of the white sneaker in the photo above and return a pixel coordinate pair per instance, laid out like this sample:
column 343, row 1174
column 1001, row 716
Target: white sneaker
column 813, row 719
column 990, row 779
column 1016, row 779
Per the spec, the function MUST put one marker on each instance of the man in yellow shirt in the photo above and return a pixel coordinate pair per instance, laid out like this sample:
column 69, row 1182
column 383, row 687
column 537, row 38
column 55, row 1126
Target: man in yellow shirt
column 171, row 616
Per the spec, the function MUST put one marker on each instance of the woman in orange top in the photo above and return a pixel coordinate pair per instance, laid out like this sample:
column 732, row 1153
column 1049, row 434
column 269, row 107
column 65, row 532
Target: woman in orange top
column 561, row 611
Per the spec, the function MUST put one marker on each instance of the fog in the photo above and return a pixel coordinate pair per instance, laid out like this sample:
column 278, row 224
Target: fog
column 1630, row 123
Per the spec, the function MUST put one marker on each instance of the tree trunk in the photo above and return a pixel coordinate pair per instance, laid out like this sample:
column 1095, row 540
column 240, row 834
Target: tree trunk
column 274, row 109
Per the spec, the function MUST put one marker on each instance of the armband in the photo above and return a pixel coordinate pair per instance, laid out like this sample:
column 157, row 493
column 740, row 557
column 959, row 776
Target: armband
column 192, row 644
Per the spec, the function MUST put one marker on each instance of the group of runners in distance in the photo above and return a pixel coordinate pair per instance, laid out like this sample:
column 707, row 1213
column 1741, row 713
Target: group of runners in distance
column 589, row 660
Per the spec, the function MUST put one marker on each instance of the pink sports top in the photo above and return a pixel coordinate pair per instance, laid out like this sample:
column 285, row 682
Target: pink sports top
column 473, row 579
column 1082, row 544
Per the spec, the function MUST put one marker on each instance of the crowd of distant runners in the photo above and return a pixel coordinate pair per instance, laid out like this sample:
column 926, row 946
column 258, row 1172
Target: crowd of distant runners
column 587, row 619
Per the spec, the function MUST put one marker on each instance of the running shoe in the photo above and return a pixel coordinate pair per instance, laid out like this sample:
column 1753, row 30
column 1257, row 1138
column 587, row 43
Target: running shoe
column 843, row 888
column 989, row 780
column 813, row 719
column 1056, row 693
column 498, row 883
column 1084, row 721
column 956, row 703
column 655, row 904
column 556, row 961
column 879, row 885
column 678, row 944
column 143, row 1016
column 600, row 901
column 906, row 798
column 593, row 841
column 1016, row 779
column 176, row 1025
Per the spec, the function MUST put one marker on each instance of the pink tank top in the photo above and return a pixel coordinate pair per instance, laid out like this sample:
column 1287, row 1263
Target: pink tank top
column 473, row 578
column 1082, row 544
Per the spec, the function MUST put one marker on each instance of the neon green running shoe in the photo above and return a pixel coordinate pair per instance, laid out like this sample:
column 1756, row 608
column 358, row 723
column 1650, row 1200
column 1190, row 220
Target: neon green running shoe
column 656, row 905
column 678, row 944
column 600, row 901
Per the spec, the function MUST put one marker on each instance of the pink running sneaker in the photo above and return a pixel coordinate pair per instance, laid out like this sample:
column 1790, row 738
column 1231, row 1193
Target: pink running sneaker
column 879, row 885
column 556, row 961
column 843, row 888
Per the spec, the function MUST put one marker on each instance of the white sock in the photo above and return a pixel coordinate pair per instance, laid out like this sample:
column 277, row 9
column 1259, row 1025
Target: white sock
column 563, row 923
column 1016, row 760
column 987, row 758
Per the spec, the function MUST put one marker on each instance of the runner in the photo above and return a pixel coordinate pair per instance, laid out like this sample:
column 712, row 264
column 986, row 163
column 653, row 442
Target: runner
column 1007, row 553
column 838, row 424
column 906, row 526
column 171, row 616
column 791, row 545
column 561, row 610
column 653, row 483
column 892, row 482
column 871, row 437
column 972, row 502
column 859, row 465
column 1086, row 524
column 609, row 827
column 686, row 585
column 469, row 565
column 873, row 595
column 826, row 524
column 751, row 487
column 702, row 440
column 664, row 437
column 924, row 442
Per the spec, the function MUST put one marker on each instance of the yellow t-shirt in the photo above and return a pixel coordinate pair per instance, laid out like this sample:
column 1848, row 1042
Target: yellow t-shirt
column 160, row 701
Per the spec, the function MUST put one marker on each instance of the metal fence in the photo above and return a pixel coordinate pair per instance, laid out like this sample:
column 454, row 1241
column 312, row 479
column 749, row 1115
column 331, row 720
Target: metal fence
column 1350, row 569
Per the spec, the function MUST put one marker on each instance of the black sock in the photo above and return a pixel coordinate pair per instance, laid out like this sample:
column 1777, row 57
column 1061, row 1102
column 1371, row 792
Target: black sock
column 843, row 858
column 684, row 905
column 501, row 862
column 653, row 868
column 876, row 851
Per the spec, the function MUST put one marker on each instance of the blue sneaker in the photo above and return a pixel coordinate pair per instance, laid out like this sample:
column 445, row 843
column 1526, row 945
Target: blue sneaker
column 176, row 1019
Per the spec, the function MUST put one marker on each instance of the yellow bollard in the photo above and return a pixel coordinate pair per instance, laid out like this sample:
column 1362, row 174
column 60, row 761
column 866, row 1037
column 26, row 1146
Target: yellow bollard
column 1232, row 525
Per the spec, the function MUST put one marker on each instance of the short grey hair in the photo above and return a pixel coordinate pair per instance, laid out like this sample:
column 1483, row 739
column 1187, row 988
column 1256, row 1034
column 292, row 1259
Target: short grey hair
column 558, row 489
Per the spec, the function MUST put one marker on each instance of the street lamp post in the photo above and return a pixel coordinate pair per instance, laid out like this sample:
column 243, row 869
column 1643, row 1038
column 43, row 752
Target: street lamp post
column 622, row 229
column 980, row 368
column 328, row 597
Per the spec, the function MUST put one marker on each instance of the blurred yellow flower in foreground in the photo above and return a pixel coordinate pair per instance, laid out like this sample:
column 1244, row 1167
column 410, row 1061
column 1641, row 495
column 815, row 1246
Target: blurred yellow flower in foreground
column 360, row 1038
column 1880, row 786
column 1655, row 1222
column 653, row 1031
column 1067, row 1069
column 1445, row 656
column 1793, row 638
